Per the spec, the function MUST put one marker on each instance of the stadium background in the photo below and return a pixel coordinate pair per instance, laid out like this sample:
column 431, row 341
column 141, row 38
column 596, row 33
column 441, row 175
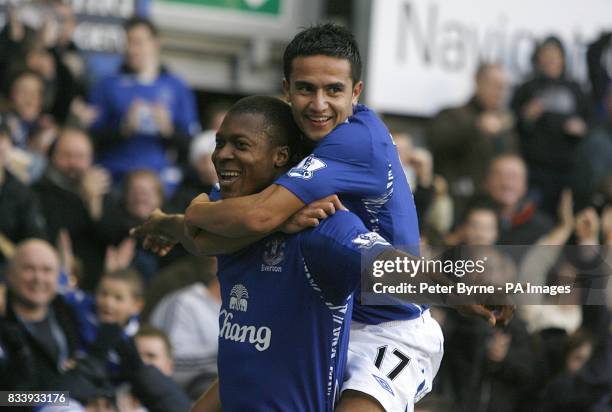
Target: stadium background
column 420, row 61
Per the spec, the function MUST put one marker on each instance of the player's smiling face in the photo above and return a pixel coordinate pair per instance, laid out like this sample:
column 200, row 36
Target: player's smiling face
column 244, row 158
column 321, row 93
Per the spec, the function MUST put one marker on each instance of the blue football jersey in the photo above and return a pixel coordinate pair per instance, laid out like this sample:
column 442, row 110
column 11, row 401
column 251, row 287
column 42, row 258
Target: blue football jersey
column 145, row 149
column 359, row 162
column 283, row 324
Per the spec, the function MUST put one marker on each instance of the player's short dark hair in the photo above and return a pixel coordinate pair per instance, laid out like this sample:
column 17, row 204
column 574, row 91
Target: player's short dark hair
column 136, row 21
column 153, row 332
column 328, row 40
column 130, row 276
column 279, row 125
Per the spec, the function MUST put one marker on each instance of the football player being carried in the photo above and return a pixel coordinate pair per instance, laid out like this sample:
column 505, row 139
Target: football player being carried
column 287, row 298
column 356, row 159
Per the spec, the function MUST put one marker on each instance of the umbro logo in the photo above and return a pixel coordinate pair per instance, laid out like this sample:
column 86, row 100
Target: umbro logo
column 384, row 384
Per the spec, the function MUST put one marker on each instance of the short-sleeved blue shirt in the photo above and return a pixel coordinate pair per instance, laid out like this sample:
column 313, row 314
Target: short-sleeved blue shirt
column 283, row 324
column 113, row 96
column 359, row 162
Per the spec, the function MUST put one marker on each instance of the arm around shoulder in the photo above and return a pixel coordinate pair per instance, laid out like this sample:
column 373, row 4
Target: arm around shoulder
column 257, row 214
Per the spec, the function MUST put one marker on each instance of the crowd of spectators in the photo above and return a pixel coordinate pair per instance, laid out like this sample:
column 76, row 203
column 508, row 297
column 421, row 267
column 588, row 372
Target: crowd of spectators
column 81, row 162
column 84, row 308
column 528, row 168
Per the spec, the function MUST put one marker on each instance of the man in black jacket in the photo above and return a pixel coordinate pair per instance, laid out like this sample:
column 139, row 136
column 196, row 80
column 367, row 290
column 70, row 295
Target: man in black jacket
column 38, row 328
column 552, row 117
column 73, row 193
column 39, row 341
column 464, row 139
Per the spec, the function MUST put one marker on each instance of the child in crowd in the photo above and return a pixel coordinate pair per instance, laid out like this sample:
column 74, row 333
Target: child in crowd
column 118, row 301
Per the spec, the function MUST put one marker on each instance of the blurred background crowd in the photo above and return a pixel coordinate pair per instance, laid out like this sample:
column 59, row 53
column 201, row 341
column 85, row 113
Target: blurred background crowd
column 84, row 157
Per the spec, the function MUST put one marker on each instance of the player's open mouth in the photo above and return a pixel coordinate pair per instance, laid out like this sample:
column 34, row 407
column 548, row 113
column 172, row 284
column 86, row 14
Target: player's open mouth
column 227, row 177
column 318, row 121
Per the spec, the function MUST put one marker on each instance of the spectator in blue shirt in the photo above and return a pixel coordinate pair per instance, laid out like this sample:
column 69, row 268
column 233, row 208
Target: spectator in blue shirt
column 143, row 110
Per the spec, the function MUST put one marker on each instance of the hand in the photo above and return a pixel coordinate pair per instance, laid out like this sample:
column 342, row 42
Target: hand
column 68, row 24
column 163, row 120
column 42, row 140
column 17, row 30
column 131, row 120
column 310, row 215
column 153, row 226
column 68, row 364
column 533, row 109
column 160, row 245
column 7, row 247
column 499, row 345
column 95, row 183
column 575, row 126
column 490, row 123
column 503, row 314
column 566, row 209
column 422, row 162
column 64, row 248
column 85, row 113
column 201, row 198
column 494, row 315
column 587, row 227
column 155, row 236
column 48, row 31
column 119, row 257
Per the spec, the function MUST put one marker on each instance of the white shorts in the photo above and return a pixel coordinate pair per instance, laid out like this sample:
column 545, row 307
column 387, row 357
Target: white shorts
column 394, row 362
